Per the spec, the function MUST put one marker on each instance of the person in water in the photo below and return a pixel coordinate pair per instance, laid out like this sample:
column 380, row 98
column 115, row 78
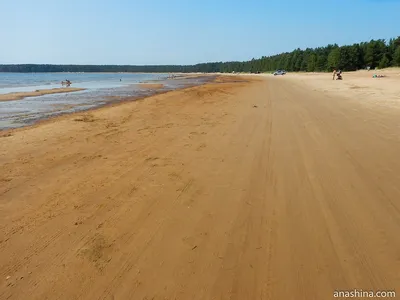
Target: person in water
column 66, row 82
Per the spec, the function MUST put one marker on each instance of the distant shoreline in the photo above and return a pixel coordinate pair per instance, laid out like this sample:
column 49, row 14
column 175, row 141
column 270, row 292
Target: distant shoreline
column 139, row 90
column 22, row 95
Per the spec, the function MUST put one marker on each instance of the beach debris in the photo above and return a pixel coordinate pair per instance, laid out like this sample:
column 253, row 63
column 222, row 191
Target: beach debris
column 194, row 247
column 8, row 277
column 255, row 106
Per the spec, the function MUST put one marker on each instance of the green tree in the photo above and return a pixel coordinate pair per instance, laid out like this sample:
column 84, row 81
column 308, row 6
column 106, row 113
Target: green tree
column 349, row 58
column 298, row 63
column 374, row 52
column 344, row 61
column 370, row 55
column 396, row 57
column 392, row 46
column 312, row 63
column 384, row 63
column 321, row 64
column 333, row 59
column 293, row 62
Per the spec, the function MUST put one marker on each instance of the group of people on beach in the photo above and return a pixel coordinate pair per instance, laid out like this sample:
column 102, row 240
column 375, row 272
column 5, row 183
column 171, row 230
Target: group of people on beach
column 337, row 74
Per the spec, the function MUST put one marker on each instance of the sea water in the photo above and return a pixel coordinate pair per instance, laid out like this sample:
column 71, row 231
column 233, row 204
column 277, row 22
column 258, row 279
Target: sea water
column 26, row 82
column 100, row 89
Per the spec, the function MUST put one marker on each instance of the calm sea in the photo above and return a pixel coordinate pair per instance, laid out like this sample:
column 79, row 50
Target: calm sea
column 18, row 82
column 100, row 89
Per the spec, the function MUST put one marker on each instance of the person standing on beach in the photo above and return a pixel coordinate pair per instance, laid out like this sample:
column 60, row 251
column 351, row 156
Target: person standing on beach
column 334, row 74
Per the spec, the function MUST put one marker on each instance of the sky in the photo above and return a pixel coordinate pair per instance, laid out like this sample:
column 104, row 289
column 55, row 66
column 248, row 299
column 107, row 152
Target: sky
column 153, row 32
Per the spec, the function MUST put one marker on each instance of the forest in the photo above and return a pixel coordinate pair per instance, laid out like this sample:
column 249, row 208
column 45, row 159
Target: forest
column 373, row 54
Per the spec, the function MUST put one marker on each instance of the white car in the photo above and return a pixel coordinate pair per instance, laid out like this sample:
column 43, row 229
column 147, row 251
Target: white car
column 279, row 72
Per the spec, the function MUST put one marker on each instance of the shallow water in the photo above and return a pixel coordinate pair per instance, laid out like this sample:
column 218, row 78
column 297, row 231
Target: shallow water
column 107, row 89
column 26, row 82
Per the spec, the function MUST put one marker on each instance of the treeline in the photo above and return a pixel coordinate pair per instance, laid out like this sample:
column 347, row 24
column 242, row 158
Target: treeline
column 34, row 68
column 373, row 54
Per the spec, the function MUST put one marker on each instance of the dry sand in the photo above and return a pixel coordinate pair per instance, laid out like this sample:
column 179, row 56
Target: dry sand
column 263, row 189
column 357, row 85
column 21, row 95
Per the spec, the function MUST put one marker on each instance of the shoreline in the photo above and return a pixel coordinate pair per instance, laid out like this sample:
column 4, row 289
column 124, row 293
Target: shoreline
column 21, row 95
column 148, row 89
column 5, row 132
column 153, row 92
column 320, row 82
column 66, row 115
column 151, row 86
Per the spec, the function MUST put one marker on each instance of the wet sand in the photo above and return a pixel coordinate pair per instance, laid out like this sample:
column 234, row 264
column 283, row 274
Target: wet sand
column 153, row 86
column 22, row 95
column 245, row 188
column 27, row 111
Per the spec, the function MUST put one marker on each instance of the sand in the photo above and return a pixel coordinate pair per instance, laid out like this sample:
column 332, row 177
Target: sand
column 151, row 86
column 21, row 95
column 255, row 188
column 357, row 85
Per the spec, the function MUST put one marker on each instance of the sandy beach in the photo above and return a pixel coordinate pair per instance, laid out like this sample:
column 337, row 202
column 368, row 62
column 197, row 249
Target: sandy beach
column 153, row 86
column 359, row 85
column 252, row 187
column 21, row 95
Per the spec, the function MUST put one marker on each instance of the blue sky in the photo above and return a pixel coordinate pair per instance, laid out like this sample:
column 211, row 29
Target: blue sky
column 183, row 31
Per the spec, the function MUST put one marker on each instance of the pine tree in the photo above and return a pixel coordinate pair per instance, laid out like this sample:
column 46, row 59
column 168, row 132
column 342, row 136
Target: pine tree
column 369, row 57
column 298, row 63
column 333, row 59
column 321, row 63
column 393, row 44
column 396, row 57
column 312, row 63
column 384, row 63
column 345, row 62
column 375, row 52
